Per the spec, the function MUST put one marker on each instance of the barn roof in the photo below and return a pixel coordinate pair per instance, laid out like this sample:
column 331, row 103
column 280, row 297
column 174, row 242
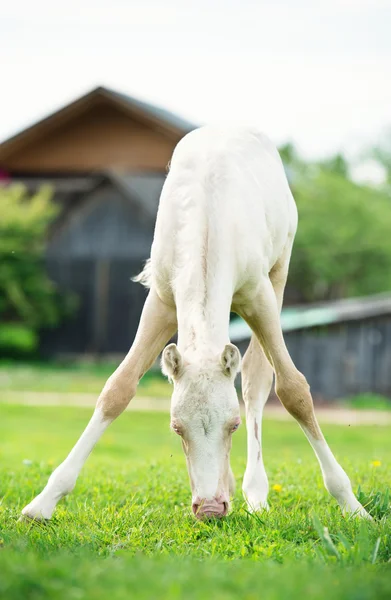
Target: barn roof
column 325, row 313
column 157, row 111
column 164, row 120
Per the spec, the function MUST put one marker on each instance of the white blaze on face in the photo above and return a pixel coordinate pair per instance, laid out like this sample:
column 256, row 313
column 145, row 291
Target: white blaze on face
column 205, row 413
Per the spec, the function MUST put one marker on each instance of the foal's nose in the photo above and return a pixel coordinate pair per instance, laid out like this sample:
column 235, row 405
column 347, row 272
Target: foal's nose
column 204, row 509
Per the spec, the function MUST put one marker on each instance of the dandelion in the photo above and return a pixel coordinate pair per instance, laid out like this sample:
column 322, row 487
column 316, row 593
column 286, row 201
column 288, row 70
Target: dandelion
column 376, row 463
column 277, row 487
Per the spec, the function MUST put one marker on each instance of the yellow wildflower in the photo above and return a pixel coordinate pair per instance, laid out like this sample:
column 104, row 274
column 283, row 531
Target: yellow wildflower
column 277, row 487
column 376, row 463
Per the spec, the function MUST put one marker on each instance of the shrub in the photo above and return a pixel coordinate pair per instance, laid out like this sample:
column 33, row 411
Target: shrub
column 28, row 299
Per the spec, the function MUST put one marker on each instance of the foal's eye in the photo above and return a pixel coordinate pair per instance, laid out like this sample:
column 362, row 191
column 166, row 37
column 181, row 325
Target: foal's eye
column 235, row 427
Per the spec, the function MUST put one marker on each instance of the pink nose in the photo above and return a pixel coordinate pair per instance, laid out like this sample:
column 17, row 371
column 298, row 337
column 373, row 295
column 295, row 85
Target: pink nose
column 205, row 509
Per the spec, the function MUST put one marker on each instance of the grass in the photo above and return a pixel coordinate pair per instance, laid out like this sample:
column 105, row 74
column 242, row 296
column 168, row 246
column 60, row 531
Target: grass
column 127, row 529
column 89, row 378
column 367, row 401
column 74, row 378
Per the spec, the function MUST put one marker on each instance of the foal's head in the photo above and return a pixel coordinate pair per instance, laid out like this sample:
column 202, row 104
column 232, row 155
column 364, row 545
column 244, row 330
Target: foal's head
column 205, row 413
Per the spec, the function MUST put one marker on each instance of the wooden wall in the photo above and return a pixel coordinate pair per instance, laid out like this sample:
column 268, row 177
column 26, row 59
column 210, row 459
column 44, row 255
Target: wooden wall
column 109, row 309
column 95, row 253
column 105, row 225
column 344, row 359
column 101, row 138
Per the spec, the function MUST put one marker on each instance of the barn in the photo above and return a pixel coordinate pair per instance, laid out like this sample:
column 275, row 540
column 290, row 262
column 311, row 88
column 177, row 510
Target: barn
column 106, row 156
column 343, row 347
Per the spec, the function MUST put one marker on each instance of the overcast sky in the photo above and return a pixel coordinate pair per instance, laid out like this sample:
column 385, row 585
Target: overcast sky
column 315, row 72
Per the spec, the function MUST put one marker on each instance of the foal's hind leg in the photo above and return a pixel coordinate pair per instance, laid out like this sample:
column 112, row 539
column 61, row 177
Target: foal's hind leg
column 294, row 393
column 157, row 326
column 257, row 379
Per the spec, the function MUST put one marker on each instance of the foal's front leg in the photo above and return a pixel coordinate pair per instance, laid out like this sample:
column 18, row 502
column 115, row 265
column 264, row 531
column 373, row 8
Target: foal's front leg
column 157, row 326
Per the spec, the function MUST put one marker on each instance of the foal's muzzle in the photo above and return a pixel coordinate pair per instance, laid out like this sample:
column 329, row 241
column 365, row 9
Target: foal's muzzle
column 206, row 509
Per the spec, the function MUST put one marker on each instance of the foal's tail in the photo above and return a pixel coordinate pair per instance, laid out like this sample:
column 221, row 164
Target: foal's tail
column 145, row 276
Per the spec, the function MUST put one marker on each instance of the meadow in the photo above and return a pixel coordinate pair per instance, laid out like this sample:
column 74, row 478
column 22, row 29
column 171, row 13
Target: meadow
column 17, row 378
column 127, row 530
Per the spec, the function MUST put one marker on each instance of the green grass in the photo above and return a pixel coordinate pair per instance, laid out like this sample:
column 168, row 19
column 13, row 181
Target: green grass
column 367, row 401
column 75, row 378
column 89, row 378
column 127, row 529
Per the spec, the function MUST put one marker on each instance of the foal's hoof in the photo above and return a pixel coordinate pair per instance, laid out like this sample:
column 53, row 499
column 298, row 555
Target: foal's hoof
column 37, row 511
column 26, row 518
column 256, row 506
column 354, row 509
column 361, row 513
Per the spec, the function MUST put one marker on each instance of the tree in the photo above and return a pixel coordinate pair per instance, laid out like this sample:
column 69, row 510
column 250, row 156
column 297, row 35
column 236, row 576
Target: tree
column 342, row 246
column 336, row 164
column 28, row 299
column 382, row 154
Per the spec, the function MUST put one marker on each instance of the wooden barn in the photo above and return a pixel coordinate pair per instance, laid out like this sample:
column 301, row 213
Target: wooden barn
column 342, row 347
column 106, row 156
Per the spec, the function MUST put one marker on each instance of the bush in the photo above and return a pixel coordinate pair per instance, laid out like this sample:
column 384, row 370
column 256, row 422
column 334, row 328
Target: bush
column 28, row 299
column 16, row 339
column 342, row 244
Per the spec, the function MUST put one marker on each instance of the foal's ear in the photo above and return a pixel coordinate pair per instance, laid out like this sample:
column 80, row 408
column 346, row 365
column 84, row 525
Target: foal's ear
column 230, row 360
column 172, row 362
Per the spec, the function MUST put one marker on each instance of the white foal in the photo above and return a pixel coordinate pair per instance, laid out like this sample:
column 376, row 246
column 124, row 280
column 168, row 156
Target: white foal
column 223, row 240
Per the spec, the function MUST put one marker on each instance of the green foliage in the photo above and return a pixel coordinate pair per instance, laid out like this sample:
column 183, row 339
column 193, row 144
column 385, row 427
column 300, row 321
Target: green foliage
column 28, row 299
column 382, row 154
column 16, row 338
column 289, row 154
column 342, row 244
column 127, row 529
column 337, row 164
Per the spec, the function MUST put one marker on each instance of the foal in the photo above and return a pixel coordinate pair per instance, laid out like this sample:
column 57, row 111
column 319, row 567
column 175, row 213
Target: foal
column 223, row 240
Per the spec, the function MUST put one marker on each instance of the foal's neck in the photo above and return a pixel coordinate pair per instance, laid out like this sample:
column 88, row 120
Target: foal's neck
column 203, row 326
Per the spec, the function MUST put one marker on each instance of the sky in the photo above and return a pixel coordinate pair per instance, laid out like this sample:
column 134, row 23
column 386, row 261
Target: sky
column 317, row 73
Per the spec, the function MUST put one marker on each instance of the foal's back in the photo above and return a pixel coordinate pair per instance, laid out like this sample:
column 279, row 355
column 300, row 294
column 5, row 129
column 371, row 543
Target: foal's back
column 226, row 211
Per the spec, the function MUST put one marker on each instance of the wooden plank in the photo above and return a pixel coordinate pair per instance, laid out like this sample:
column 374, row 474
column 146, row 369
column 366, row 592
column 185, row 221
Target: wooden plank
column 101, row 294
